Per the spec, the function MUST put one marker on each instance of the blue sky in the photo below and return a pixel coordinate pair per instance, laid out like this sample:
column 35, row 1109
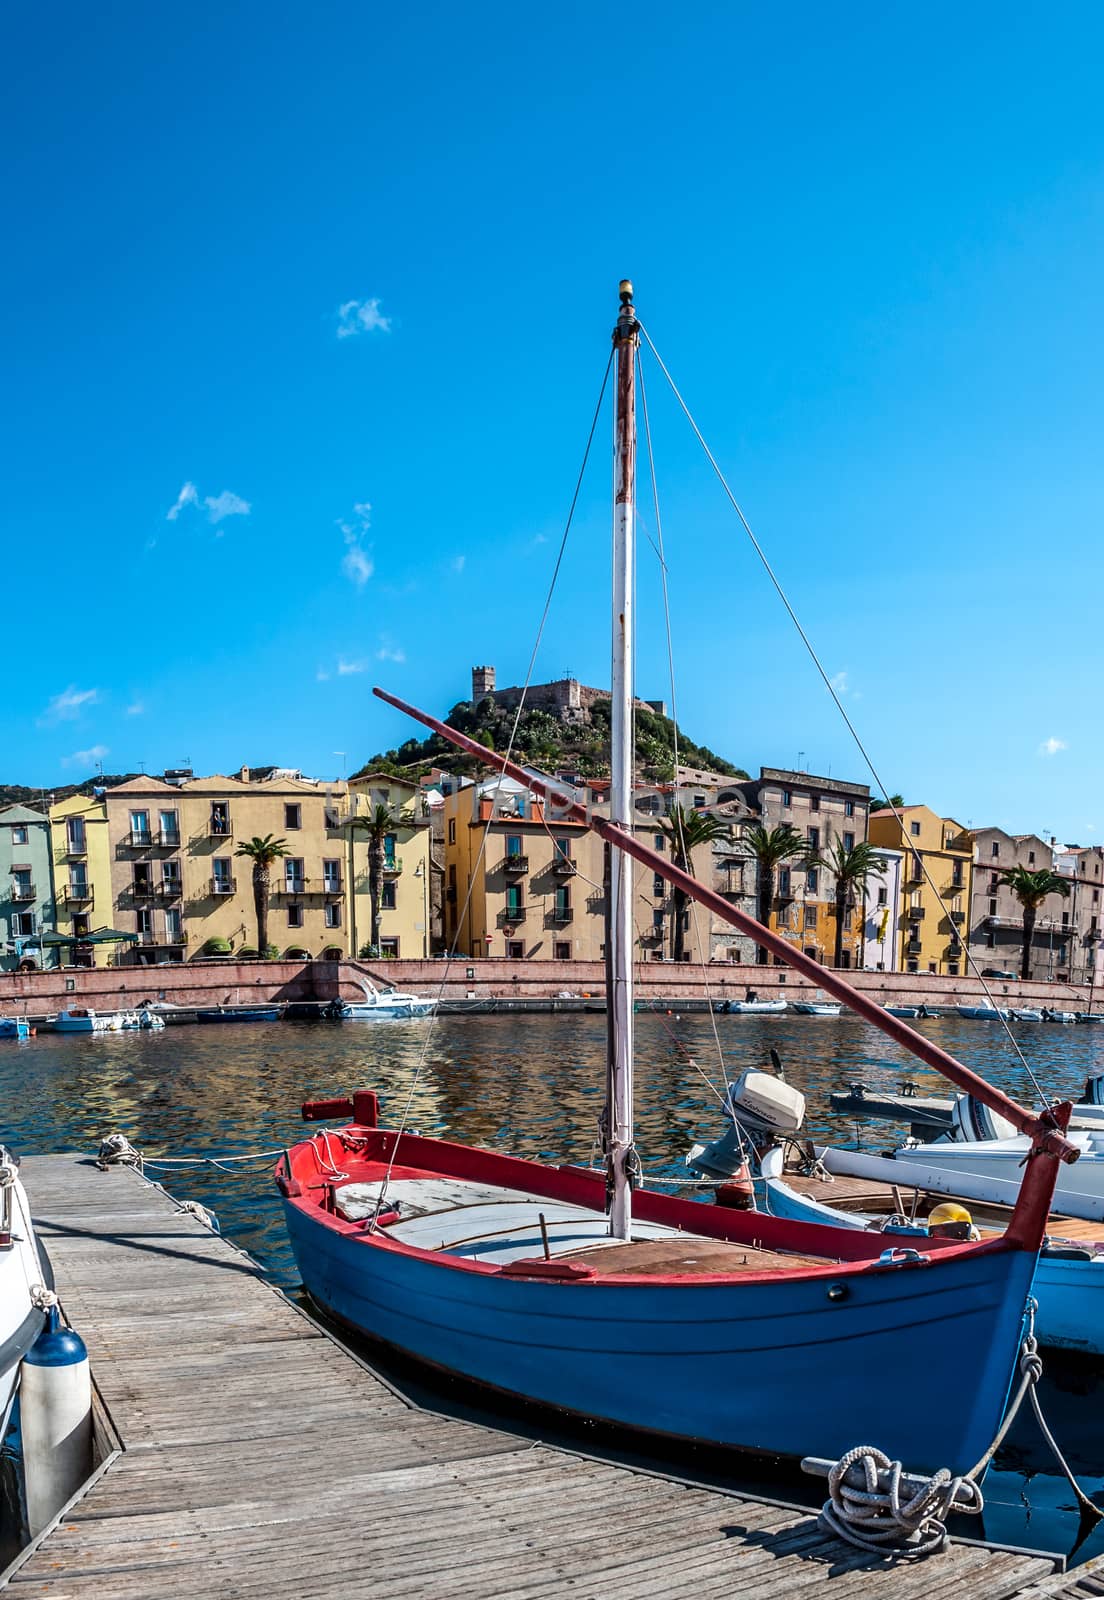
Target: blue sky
column 305, row 314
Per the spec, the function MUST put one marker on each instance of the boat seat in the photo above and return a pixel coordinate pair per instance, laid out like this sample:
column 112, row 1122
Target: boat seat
column 420, row 1197
column 509, row 1230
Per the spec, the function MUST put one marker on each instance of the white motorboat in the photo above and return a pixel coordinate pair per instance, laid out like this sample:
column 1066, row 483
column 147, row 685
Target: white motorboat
column 817, row 1008
column 984, row 1013
column 79, row 1019
column 1050, row 1015
column 1027, row 1014
column 22, row 1313
column 757, row 1007
column 382, row 1005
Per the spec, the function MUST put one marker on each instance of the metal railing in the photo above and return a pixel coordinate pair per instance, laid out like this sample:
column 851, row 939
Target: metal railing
column 292, row 886
column 168, row 838
column 515, row 913
column 563, row 866
column 78, row 894
column 220, row 828
column 915, row 913
column 222, row 886
column 138, row 839
column 562, row 914
column 72, row 849
column 392, row 866
column 22, row 891
column 332, row 887
column 518, row 863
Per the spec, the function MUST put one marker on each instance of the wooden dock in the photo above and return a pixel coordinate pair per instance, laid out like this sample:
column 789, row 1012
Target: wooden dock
column 257, row 1457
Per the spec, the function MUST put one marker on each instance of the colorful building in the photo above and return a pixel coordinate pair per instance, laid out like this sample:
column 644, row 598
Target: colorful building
column 938, row 872
column 26, row 889
column 407, row 890
column 882, row 912
column 81, row 857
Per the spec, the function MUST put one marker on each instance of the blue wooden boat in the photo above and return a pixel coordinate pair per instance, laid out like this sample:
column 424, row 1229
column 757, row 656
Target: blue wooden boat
column 588, row 1293
column 14, row 1028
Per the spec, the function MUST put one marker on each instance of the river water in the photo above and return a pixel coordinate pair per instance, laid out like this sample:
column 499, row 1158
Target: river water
column 532, row 1085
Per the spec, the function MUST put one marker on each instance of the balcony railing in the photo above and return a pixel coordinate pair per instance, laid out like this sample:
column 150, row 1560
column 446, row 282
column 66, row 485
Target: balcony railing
column 138, row 839
column 221, row 886
column 170, row 889
column 562, row 914
column 143, row 891
column 22, row 891
column 563, row 866
column 915, row 913
column 219, row 828
column 74, row 849
column 292, row 887
column 332, row 887
column 169, row 839
column 514, row 913
column 913, row 947
column 515, row 864
column 392, row 866
column 152, row 940
column 958, row 918
column 1042, row 924
column 79, row 894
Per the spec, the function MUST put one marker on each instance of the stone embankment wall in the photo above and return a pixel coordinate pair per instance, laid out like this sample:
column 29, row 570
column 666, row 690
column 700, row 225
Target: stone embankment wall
column 208, row 983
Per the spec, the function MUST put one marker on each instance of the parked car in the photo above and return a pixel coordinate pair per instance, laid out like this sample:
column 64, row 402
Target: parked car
column 996, row 972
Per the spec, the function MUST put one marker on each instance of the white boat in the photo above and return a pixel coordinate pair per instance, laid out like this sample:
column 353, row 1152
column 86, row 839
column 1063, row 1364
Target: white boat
column 984, row 1013
column 765, row 1007
column 21, row 1278
column 817, row 1008
column 79, row 1019
column 1027, row 1014
column 1050, row 1015
column 382, row 1005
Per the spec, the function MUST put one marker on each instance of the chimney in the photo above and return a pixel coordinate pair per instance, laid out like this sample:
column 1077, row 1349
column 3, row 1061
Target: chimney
column 483, row 683
column 244, row 775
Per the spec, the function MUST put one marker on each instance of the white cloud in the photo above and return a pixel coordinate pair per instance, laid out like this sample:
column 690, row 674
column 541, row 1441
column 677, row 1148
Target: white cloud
column 357, row 564
column 86, row 758
column 346, row 669
column 136, row 709
column 458, row 563
column 361, row 316
column 226, row 504
column 68, row 704
column 321, row 676
column 839, row 683
column 188, row 496
column 1051, row 746
column 390, row 652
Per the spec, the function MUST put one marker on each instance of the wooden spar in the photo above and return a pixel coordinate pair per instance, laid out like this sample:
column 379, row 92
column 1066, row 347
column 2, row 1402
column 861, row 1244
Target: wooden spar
column 1042, row 1128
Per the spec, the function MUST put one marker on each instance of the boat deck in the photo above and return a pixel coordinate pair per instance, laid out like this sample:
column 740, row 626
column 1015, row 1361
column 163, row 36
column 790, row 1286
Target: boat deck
column 258, row 1457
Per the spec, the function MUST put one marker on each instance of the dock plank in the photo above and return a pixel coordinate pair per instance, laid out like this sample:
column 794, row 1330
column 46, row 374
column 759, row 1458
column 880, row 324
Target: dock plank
column 258, row 1453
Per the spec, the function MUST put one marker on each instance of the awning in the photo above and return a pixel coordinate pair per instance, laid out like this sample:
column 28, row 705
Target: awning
column 101, row 936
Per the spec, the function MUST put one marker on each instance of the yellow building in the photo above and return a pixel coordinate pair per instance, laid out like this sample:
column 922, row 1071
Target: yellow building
column 525, row 885
column 81, row 862
column 938, row 856
column 406, row 891
column 179, row 884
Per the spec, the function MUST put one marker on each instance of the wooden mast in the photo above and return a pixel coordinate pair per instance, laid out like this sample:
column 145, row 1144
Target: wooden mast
column 621, row 1161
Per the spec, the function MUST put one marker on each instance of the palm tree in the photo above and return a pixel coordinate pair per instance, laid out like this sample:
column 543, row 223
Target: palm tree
column 892, row 802
column 262, row 853
column 771, row 848
column 852, row 869
column 686, row 830
column 1031, row 889
column 380, row 824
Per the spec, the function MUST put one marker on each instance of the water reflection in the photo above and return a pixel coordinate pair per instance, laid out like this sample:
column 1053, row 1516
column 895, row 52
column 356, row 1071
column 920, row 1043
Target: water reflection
column 533, row 1086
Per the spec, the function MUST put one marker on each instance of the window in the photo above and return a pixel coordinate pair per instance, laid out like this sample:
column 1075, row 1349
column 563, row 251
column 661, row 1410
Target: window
column 992, row 908
column 333, row 914
column 293, row 817
column 933, row 966
column 783, row 881
column 1092, row 924
column 144, row 921
column 220, row 819
column 515, row 950
column 1096, row 897
column 914, row 829
column 139, row 826
column 814, row 802
column 19, row 836
column 562, row 950
column 143, row 877
column 1065, row 919
column 515, row 905
column 295, row 876
column 562, row 848
column 814, row 838
column 563, row 904
column 657, row 842
column 995, row 848
column 78, row 880
column 994, row 880
column 883, row 895
column 452, row 830
column 168, row 827
column 22, row 924
column 699, row 801
column 659, row 888
column 849, row 808
column 331, row 878
column 913, row 965
column 74, row 835
column 657, row 921
column 174, row 925
column 811, row 881
column 387, row 897
column 849, row 842
column 170, row 875
column 952, row 968
column 295, row 916
column 514, row 844
column 222, row 877
column 389, row 861
column 390, row 948
column 957, row 879
column 787, row 799
column 22, row 884
column 810, row 916
column 1031, row 858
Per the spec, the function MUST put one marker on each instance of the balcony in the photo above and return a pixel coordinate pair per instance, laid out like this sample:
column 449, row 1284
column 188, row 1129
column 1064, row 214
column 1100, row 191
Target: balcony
column 514, row 913
column 169, row 889
column 916, row 913
column 75, row 848
column 332, row 888
column 78, row 894
column 563, row 866
column 392, row 866
column 515, row 865
column 22, row 891
column 223, row 886
column 219, row 828
column 562, row 914
column 168, row 839
column 291, row 887
column 143, row 889
column 1042, row 924
column 913, row 947
column 958, row 918
column 153, row 941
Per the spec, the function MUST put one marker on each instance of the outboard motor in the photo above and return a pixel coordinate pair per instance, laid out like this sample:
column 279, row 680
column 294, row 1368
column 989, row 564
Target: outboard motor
column 974, row 1123
column 762, row 1108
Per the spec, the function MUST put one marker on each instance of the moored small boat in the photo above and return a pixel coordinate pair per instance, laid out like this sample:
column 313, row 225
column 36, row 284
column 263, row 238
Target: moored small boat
column 15, row 1028
column 238, row 1014
column 758, row 1007
column 22, row 1316
column 80, row 1019
column 984, row 1013
column 817, row 1008
column 381, row 1005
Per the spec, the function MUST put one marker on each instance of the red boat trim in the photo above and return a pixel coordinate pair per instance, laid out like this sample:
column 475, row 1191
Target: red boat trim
column 1045, row 1129
column 438, row 1157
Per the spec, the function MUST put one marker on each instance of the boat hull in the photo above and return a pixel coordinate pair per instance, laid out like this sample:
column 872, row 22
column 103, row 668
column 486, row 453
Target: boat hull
column 1070, row 1292
column 786, row 1364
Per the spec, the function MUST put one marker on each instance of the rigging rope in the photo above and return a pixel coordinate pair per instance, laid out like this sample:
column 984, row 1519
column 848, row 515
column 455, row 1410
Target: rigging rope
column 776, row 582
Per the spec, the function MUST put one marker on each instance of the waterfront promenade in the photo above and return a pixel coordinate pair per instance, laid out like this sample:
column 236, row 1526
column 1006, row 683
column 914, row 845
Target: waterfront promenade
column 247, row 1453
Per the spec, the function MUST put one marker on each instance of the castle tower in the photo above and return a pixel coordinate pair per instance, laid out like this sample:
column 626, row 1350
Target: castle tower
column 483, row 683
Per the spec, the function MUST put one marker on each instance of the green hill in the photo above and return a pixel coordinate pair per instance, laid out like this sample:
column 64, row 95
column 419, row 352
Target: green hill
column 554, row 744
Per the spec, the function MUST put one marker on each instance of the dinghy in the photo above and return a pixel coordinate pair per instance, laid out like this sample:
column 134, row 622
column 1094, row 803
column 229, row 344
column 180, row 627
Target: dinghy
column 589, row 1293
column 22, row 1316
column 759, row 1007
